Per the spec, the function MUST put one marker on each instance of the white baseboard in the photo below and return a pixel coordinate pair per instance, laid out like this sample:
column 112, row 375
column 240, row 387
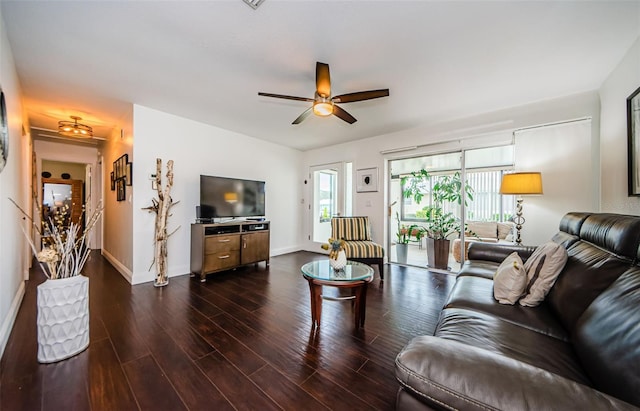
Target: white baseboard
column 148, row 276
column 9, row 320
column 284, row 250
column 124, row 271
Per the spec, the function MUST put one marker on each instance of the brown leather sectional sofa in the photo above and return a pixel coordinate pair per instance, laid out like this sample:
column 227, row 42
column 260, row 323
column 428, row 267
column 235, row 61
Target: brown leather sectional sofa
column 578, row 350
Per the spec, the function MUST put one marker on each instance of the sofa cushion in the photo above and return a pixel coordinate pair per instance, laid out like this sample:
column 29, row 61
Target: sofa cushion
column 572, row 222
column 447, row 375
column 478, row 268
column 480, row 250
column 474, row 293
column 607, row 338
column 616, row 233
column 510, row 340
column 483, row 229
column 588, row 272
column 363, row 249
column 564, row 239
column 510, row 280
column 543, row 268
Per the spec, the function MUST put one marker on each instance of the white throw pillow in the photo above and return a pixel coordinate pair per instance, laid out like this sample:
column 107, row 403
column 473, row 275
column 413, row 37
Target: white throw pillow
column 543, row 268
column 510, row 280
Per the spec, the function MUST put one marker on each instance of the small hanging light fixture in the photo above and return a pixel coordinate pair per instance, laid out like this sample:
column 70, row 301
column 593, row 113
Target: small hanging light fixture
column 74, row 129
column 254, row 4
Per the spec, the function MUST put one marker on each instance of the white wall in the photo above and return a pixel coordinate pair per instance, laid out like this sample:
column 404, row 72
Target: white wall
column 197, row 148
column 562, row 153
column 623, row 81
column 117, row 244
column 367, row 153
column 14, row 184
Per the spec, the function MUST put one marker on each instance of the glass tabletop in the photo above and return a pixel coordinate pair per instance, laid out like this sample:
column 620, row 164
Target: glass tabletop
column 321, row 270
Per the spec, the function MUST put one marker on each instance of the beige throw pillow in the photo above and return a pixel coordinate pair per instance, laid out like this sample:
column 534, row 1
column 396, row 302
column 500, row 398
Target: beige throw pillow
column 504, row 230
column 543, row 268
column 510, row 281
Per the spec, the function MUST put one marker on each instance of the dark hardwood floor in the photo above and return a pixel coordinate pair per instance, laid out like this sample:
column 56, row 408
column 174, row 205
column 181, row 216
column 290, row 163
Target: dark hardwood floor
column 242, row 341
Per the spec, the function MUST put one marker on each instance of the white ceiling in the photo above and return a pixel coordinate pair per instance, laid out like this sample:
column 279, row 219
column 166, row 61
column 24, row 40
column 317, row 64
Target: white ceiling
column 207, row 60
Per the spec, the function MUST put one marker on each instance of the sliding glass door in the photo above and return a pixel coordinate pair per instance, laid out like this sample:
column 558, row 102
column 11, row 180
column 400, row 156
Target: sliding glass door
column 424, row 206
column 434, row 197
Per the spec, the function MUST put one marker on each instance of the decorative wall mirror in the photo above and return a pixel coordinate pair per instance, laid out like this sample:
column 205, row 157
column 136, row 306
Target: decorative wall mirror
column 4, row 133
column 62, row 198
column 633, row 129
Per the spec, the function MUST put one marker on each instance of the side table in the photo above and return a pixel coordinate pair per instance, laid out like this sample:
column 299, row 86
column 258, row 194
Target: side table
column 356, row 276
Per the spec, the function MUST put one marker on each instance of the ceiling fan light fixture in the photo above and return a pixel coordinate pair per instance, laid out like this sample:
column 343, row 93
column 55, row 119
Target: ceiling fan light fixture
column 323, row 108
column 74, row 129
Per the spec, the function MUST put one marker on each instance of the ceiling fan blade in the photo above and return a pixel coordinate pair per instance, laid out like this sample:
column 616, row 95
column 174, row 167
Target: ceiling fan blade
column 342, row 114
column 323, row 80
column 361, row 95
column 285, row 97
column 302, row 116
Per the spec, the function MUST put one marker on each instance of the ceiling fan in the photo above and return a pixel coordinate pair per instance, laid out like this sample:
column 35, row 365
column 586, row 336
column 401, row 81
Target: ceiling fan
column 325, row 105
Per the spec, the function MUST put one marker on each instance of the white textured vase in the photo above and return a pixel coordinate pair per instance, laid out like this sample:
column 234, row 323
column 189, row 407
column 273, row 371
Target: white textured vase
column 339, row 262
column 63, row 318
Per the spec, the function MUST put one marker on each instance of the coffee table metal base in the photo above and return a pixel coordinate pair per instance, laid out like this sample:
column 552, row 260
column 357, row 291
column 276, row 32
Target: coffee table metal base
column 359, row 297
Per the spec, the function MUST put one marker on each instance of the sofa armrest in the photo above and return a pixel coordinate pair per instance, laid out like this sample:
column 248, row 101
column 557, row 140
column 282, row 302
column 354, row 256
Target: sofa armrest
column 497, row 252
column 443, row 372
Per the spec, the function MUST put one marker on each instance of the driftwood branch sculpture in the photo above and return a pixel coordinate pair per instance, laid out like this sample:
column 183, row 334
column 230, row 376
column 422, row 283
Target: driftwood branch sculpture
column 161, row 208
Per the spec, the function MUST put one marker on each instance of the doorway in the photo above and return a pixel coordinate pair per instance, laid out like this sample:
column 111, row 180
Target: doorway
column 76, row 182
column 330, row 197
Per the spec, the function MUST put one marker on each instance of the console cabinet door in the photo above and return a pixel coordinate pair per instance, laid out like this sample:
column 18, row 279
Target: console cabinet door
column 255, row 247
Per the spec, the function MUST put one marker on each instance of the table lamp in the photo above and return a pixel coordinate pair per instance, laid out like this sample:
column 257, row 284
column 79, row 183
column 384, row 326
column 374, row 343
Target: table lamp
column 521, row 184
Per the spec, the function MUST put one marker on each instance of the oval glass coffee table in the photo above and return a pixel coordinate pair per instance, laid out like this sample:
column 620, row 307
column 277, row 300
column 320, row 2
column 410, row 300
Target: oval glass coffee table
column 356, row 276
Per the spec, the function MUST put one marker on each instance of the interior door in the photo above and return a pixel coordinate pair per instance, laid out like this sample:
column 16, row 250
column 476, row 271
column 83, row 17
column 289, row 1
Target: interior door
column 327, row 200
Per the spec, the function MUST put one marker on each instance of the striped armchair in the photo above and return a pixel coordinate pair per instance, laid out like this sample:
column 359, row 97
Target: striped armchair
column 356, row 233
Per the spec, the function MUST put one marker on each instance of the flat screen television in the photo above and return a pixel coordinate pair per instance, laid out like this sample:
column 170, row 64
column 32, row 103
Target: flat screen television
column 222, row 197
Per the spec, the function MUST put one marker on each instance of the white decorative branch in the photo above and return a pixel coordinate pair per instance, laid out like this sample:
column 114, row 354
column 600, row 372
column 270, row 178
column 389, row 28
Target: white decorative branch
column 161, row 208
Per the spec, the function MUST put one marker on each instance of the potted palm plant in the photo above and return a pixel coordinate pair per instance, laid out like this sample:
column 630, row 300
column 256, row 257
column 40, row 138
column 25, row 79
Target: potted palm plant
column 439, row 223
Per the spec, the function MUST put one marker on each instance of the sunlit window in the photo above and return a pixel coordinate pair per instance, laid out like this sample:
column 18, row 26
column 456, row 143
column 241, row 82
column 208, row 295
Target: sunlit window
column 326, row 200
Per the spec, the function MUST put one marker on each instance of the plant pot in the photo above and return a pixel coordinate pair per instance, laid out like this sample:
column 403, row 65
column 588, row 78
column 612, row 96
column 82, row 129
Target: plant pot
column 63, row 318
column 401, row 253
column 438, row 253
column 339, row 262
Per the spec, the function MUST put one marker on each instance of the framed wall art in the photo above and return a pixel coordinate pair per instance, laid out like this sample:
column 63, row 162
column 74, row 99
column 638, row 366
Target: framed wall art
column 121, row 193
column 633, row 146
column 120, row 166
column 4, row 132
column 367, row 180
column 129, row 174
